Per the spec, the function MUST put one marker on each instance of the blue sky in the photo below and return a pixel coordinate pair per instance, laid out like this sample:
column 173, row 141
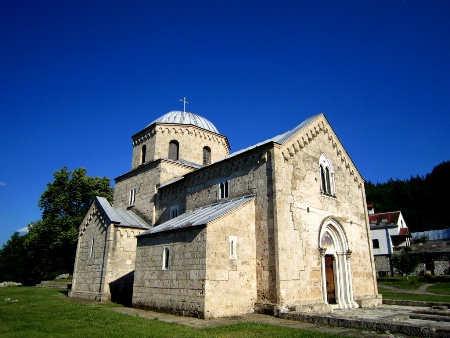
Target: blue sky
column 78, row 78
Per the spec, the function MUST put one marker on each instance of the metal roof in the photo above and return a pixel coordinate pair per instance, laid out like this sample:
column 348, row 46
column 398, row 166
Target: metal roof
column 121, row 217
column 199, row 216
column 280, row 139
column 180, row 117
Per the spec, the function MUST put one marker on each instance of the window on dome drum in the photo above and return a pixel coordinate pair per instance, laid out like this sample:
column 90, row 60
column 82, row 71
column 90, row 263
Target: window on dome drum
column 326, row 176
column 132, row 197
column 173, row 211
column 166, row 253
column 206, row 155
column 173, row 150
column 224, row 189
column 375, row 244
column 143, row 151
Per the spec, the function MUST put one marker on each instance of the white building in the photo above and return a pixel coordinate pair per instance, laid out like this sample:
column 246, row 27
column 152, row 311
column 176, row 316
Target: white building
column 389, row 232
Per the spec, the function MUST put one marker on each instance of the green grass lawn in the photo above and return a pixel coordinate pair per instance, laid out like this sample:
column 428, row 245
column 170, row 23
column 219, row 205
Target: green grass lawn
column 39, row 312
column 410, row 285
column 440, row 288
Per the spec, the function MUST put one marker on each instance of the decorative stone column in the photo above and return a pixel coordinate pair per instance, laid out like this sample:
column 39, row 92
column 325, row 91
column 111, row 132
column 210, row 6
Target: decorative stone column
column 338, row 287
column 349, row 277
column 322, row 252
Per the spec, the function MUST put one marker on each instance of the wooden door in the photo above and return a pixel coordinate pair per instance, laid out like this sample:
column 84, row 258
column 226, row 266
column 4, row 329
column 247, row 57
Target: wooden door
column 329, row 273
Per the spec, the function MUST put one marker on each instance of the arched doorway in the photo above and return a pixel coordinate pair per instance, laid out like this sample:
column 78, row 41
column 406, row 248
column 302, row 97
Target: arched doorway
column 335, row 256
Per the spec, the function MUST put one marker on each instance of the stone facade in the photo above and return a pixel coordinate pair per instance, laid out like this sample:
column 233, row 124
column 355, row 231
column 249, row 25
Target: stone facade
column 202, row 278
column 303, row 242
column 304, row 213
column 105, row 261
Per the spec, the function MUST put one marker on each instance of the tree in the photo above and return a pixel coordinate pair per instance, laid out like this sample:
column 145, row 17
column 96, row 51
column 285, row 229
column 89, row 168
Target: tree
column 13, row 260
column 405, row 262
column 49, row 248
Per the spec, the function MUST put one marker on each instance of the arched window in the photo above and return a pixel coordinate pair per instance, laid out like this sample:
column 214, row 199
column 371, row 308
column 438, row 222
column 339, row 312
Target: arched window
column 224, row 190
column 143, row 152
column 173, row 150
column 206, row 155
column 326, row 176
column 166, row 253
column 91, row 251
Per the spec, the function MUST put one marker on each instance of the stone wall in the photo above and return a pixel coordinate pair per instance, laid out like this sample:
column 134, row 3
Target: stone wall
column 441, row 267
column 105, row 259
column 382, row 265
column 145, row 180
column 180, row 288
column 203, row 279
column 230, row 283
column 92, row 250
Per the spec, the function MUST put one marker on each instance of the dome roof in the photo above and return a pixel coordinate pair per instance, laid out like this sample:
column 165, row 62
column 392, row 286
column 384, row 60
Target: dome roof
column 180, row 117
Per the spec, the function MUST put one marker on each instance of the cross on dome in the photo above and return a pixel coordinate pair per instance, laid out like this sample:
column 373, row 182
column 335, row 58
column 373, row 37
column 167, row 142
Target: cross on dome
column 184, row 104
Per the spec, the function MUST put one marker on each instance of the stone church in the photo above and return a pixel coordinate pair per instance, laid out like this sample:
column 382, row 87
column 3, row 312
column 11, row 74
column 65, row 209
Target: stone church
column 195, row 230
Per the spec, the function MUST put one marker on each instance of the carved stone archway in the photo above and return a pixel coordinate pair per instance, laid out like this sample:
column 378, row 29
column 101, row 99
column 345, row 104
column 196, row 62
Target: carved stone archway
column 333, row 246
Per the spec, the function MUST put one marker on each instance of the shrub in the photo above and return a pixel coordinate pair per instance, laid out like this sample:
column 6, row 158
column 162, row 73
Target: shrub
column 421, row 239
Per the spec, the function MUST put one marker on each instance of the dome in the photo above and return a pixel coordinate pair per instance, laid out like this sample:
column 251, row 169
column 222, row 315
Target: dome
column 180, row 117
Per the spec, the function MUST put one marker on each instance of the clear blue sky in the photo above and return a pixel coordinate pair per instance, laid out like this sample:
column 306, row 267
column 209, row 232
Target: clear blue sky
column 78, row 78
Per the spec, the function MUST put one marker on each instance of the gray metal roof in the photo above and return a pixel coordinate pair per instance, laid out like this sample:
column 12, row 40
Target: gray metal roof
column 433, row 235
column 199, row 216
column 121, row 217
column 180, row 117
column 280, row 139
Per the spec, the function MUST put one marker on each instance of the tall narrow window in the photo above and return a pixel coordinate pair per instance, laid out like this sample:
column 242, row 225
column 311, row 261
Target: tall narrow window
column 166, row 254
column 224, row 189
column 326, row 176
column 322, row 178
column 132, row 197
column 173, row 211
column 173, row 150
column 232, row 241
column 143, row 152
column 91, row 251
column 206, row 155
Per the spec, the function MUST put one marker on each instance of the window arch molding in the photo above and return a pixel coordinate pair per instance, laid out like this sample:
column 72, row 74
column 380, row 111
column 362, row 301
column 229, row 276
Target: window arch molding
column 326, row 173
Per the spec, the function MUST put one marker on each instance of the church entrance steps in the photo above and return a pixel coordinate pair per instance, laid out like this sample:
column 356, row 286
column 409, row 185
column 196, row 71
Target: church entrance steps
column 433, row 315
column 442, row 305
column 405, row 320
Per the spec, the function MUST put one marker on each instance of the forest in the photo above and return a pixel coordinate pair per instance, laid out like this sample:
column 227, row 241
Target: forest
column 423, row 201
